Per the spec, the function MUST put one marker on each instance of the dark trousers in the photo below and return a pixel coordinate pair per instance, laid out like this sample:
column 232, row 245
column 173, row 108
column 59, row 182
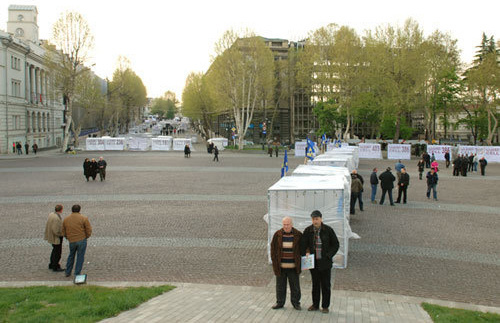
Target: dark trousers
column 401, row 191
column 321, row 285
column 447, row 163
column 102, row 174
column 293, row 279
column 355, row 196
column 55, row 255
column 389, row 192
column 482, row 169
column 216, row 157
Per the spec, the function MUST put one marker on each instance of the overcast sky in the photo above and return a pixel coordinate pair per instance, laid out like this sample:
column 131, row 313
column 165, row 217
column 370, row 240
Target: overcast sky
column 166, row 40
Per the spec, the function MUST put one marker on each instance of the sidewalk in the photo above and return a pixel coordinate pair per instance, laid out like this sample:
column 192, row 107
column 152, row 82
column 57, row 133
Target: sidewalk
column 224, row 303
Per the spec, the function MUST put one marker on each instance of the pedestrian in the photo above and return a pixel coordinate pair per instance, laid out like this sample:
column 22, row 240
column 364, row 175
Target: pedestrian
column 356, row 188
column 447, row 158
column 76, row 228
column 101, row 164
column 470, row 162
column 19, row 148
column 417, row 150
column 54, row 236
column 270, row 151
column 93, row 168
column 320, row 239
column 403, row 183
column 387, row 184
column 427, row 159
column 474, row 163
column 374, row 184
column 435, row 166
column 464, row 164
column 398, row 166
column 360, row 197
column 34, row 147
column 421, row 166
column 26, row 148
column 276, row 149
column 285, row 256
column 87, row 171
column 13, row 147
column 216, row 154
column 187, row 151
column 457, row 165
column 482, row 165
column 432, row 180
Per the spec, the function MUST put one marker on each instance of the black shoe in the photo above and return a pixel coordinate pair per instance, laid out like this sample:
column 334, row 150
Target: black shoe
column 67, row 275
column 59, row 269
column 276, row 306
column 398, row 202
column 312, row 308
column 297, row 307
column 392, row 204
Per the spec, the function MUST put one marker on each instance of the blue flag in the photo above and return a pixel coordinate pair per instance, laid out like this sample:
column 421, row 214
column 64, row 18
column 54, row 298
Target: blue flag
column 284, row 166
column 323, row 139
column 310, row 149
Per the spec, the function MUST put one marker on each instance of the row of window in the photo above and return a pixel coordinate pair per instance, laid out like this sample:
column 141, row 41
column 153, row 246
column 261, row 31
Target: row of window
column 16, row 88
column 15, row 63
column 38, row 122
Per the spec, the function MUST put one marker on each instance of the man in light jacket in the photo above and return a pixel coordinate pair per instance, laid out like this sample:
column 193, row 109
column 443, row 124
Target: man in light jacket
column 53, row 235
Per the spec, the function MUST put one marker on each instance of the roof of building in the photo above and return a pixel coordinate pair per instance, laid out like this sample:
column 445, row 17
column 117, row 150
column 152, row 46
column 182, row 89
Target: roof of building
column 22, row 7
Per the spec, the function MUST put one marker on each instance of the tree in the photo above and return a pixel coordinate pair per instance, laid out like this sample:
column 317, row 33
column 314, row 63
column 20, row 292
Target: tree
column 242, row 75
column 129, row 93
column 73, row 41
column 198, row 104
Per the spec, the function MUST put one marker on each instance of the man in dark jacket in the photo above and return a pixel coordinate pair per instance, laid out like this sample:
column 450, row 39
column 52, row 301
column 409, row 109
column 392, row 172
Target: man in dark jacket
column 387, row 184
column 374, row 183
column 457, row 165
column 432, row 180
column 101, row 164
column 482, row 165
column 320, row 239
column 404, row 181
column 356, row 188
column 285, row 255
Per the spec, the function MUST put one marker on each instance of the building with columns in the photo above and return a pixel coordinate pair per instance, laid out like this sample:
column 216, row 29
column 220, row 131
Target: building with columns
column 30, row 109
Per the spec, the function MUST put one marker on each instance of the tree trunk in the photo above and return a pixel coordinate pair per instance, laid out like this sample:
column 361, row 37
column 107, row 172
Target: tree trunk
column 69, row 121
column 398, row 126
column 492, row 127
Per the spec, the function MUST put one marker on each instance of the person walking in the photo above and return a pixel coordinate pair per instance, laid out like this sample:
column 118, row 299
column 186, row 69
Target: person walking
column 320, row 239
column 276, row 149
column 387, row 184
column 482, row 165
column 457, row 165
column 421, row 166
column 93, row 168
column 427, row 159
column 34, row 147
column 285, row 257
column 374, row 183
column 187, row 151
column 403, row 183
column 216, row 154
column 76, row 228
column 447, row 158
column 19, row 148
column 87, row 172
column 101, row 166
column 54, row 236
column 26, row 148
column 435, row 166
column 475, row 161
column 432, row 180
column 470, row 162
column 13, row 147
column 356, row 188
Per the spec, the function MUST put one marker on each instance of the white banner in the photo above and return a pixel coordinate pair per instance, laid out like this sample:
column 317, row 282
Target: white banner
column 398, row 151
column 137, row 143
column 300, row 148
column 114, row 143
column 370, row 151
column 490, row 153
column 439, row 151
column 467, row 150
column 94, row 144
column 161, row 144
column 180, row 143
column 331, row 146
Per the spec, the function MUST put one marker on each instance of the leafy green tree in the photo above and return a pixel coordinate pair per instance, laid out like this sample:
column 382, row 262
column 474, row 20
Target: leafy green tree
column 242, row 77
column 198, row 104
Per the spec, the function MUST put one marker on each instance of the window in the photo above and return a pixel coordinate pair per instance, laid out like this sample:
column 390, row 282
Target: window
column 16, row 122
column 16, row 88
column 15, row 63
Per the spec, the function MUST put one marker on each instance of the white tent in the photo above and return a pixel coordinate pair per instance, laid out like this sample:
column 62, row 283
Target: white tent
column 219, row 142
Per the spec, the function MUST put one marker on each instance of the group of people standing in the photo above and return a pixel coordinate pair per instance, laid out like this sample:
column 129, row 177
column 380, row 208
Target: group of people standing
column 288, row 246
column 17, row 147
column 92, row 167
column 76, row 229
column 463, row 164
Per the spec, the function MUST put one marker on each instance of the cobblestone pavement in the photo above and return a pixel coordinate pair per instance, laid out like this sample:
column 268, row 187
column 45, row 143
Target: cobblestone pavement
column 162, row 217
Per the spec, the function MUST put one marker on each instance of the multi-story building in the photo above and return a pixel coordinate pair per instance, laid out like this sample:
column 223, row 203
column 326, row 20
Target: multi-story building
column 30, row 109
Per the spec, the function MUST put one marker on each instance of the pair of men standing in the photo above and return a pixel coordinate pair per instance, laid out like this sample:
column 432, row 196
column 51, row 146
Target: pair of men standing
column 287, row 246
column 76, row 228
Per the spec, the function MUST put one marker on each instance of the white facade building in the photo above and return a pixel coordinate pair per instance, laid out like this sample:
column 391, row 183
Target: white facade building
column 30, row 109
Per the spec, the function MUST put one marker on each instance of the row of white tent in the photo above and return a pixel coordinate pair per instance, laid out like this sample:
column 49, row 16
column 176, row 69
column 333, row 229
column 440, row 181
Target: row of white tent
column 323, row 184
column 160, row 143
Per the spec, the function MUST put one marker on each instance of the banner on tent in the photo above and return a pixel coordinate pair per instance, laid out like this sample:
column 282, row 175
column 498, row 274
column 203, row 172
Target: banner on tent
column 137, row 143
column 490, row 153
column 180, row 143
column 114, row 143
column 439, row 151
column 370, row 151
column 467, row 150
column 95, row 144
column 161, row 144
column 398, row 151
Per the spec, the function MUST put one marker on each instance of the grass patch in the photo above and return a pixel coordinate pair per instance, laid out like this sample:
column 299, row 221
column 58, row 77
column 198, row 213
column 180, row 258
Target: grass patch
column 440, row 314
column 71, row 304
